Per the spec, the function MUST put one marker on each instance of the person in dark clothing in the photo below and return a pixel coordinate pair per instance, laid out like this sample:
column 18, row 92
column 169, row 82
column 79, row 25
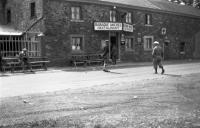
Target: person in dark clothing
column 157, row 57
column 105, row 56
column 1, row 62
column 114, row 54
column 24, row 59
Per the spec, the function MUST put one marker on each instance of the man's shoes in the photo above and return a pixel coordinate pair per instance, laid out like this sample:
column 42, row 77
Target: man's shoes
column 163, row 71
column 155, row 71
column 105, row 70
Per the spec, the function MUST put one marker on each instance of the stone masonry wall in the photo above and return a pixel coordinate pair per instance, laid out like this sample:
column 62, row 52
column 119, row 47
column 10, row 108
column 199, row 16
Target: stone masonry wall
column 59, row 28
column 1, row 13
column 20, row 14
column 179, row 29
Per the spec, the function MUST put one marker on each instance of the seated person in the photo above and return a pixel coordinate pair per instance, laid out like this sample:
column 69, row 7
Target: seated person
column 24, row 59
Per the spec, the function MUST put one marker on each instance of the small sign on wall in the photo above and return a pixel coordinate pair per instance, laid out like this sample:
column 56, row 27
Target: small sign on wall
column 139, row 39
column 122, row 39
column 127, row 27
column 163, row 31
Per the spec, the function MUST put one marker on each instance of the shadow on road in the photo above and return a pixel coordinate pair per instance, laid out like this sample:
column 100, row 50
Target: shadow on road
column 173, row 75
column 114, row 72
column 4, row 75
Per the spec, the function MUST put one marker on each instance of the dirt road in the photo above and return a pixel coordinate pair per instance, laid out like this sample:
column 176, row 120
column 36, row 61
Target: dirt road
column 41, row 82
column 130, row 97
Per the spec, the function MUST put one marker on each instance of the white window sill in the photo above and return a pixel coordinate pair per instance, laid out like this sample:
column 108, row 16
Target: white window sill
column 182, row 53
column 148, row 25
column 77, row 21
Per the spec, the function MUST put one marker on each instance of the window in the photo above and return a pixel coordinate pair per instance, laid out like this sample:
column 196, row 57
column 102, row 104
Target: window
column 129, row 17
column 148, row 41
column 148, row 19
column 182, row 47
column 8, row 16
column 77, row 43
column 75, row 13
column 129, row 44
column 32, row 10
column 113, row 16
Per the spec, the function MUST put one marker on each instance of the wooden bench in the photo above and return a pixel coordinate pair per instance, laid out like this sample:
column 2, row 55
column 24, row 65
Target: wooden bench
column 94, row 59
column 79, row 59
column 12, row 63
column 86, row 59
column 40, row 62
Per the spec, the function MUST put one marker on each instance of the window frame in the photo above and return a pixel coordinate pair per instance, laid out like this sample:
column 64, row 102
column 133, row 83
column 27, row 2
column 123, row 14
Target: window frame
column 148, row 20
column 82, row 42
column 8, row 17
column 182, row 46
column 146, row 43
column 113, row 16
column 33, row 13
column 129, row 17
column 131, row 44
column 76, row 11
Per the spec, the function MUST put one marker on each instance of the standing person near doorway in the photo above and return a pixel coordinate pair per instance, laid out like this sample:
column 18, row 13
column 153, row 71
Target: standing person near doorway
column 105, row 55
column 24, row 59
column 114, row 54
column 1, row 62
column 157, row 57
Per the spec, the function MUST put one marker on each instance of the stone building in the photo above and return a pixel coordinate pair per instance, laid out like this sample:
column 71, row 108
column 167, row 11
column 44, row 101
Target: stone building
column 82, row 26
column 21, row 23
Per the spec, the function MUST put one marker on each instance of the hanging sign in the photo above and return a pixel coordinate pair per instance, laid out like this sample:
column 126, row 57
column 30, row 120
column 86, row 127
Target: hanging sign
column 127, row 27
column 107, row 26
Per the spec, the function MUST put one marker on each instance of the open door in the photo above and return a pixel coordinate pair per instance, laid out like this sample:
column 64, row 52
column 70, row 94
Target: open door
column 114, row 46
column 197, row 46
column 166, row 50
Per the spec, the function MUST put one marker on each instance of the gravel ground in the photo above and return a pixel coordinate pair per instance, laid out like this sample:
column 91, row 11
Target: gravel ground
column 171, row 101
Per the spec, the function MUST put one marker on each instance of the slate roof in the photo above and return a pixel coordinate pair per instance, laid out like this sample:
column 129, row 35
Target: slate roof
column 161, row 5
column 176, row 8
column 150, row 5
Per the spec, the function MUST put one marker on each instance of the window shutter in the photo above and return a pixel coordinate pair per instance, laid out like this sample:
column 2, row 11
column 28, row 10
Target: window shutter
column 132, row 18
column 72, row 13
column 80, row 13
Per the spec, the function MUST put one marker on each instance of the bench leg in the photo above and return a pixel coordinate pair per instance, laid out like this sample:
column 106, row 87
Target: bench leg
column 3, row 69
column 12, row 68
column 75, row 65
column 45, row 66
column 85, row 64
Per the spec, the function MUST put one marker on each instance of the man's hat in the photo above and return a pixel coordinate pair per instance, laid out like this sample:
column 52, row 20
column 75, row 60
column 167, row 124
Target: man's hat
column 24, row 49
column 156, row 42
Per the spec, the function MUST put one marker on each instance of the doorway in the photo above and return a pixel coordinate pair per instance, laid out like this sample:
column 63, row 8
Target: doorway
column 166, row 50
column 114, row 47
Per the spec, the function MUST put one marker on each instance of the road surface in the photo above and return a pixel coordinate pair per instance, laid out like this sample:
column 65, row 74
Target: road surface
column 128, row 97
column 59, row 79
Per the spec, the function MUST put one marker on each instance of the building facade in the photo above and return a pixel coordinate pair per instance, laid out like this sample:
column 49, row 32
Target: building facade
column 82, row 26
column 21, row 22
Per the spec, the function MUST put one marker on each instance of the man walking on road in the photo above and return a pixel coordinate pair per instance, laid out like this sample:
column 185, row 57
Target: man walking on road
column 105, row 55
column 157, row 57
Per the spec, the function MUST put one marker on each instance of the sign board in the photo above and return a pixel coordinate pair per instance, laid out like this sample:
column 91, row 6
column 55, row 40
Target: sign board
column 163, row 31
column 127, row 27
column 107, row 26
